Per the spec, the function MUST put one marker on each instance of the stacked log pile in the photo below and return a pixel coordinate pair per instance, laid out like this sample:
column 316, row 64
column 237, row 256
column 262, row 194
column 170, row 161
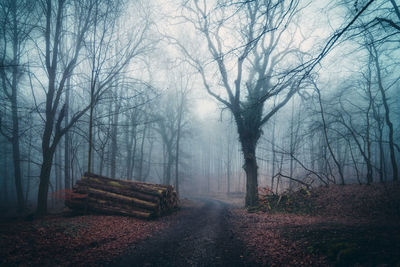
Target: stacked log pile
column 105, row 195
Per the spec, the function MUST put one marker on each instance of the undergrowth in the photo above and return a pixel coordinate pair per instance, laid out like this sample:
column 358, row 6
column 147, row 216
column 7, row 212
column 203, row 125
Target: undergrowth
column 298, row 202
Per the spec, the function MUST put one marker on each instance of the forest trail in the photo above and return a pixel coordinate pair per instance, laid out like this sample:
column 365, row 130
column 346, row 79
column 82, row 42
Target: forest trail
column 203, row 237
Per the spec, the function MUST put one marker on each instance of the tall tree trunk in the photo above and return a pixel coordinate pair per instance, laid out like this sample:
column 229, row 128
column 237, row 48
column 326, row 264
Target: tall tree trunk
column 325, row 131
column 45, row 171
column 387, row 117
column 140, row 165
column 273, row 154
column 16, row 156
column 382, row 164
column 114, row 140
column 14, row 111
column 368, row 143
column 177, row 161
column 291, row 145
column 178, row 139
column 67, row 141
column 57, row 170
column 251, row 169
column 148, row 167
column 90, row 153
column 228, row 165
column 131, row 152
column 382, row 160
column 28, row 171
column 169, row 167
column 208, row 162
column 101, row 167
column 5, row 175
column 128, row 142
column 93, row 80
column 164, row 164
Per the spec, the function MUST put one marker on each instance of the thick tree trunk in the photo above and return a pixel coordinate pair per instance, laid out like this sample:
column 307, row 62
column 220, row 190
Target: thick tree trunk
column 251, row 169
column 249, row 130
column 45, row 171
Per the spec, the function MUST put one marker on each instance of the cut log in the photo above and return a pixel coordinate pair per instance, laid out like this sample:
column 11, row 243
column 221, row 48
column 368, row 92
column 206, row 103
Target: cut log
column 117, row 190
column 96, row 193
column 94, row 205
column 101, row 194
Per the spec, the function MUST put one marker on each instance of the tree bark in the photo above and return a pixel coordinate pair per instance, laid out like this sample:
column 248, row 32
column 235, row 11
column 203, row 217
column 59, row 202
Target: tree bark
column 56, row 79
column 114, row 144
column 14, row 110
column 387, row 116
column 90, row 130
column 67, row 141
column 325, row 131
column 16, row 155
column 45, row 171
column 251, row 169
column 131, row 151
column 28, row 171
column 101, row 194
column 273, row 154
column 228, row 165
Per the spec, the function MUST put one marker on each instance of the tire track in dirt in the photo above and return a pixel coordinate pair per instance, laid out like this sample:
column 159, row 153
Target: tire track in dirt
column 201, row 236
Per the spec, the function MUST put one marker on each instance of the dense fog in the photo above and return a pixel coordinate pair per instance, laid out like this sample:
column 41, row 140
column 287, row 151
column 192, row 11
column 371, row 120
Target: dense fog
column 208, row 96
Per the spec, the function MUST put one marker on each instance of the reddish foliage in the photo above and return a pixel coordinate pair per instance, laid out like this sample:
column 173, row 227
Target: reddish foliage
column 357, row 217
column 82, row 240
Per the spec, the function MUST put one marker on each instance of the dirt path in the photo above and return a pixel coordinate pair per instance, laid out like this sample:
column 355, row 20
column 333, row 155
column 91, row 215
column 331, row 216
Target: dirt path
column 201, row 237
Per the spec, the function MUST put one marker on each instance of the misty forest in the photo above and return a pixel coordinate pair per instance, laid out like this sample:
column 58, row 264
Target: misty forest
column 200, row 132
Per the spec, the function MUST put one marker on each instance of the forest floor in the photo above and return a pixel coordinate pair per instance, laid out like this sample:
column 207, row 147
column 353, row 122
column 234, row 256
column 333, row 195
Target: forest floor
column 339, row 226
column 351, row 225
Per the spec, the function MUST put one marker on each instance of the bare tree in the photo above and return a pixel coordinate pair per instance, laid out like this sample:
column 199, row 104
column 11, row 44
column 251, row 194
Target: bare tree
column 249, row 72
column 55, row 14
column 181, row 110
column 374, row 53
column 131, row 141
column 165, row 122
column 109, row 56
column 114, row 134
column 325, row 132
column 17, row 25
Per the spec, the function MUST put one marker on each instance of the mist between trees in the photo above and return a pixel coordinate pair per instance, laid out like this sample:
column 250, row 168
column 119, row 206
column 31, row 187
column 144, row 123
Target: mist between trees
column 209, row 96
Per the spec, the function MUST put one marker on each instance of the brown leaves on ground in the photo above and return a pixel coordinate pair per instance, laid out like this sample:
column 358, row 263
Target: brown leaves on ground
column 263, row 236
column 348, row 225
column 82, row 240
